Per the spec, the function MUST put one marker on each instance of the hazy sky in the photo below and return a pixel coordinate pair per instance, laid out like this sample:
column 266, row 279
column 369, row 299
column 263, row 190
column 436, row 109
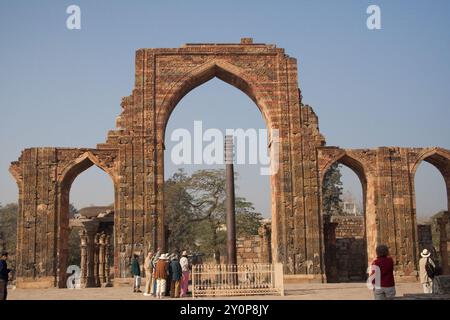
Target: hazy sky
column 369, row 88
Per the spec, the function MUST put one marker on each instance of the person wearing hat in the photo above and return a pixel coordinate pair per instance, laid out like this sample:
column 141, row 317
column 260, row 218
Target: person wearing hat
column 184, row 262
column 4, row 275
column 148, row 267
column 426, row 279
column 160, row 274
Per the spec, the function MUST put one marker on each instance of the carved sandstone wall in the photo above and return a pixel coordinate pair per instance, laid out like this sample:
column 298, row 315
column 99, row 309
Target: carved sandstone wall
column 133, row 155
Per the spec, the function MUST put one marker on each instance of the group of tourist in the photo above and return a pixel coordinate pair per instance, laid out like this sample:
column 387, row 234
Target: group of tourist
column 384, row 284
column 165, row 275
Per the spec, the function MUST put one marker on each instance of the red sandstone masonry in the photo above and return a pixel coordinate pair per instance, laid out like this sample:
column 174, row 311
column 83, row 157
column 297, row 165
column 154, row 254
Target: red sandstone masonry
column 133, row 155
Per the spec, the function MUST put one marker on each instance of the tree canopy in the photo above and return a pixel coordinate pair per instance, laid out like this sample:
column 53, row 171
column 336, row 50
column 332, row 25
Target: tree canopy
column 332, row 191
column 195, row 211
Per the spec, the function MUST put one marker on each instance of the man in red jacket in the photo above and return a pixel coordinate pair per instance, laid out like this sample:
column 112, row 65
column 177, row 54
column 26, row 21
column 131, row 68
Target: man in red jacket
column 383, row 269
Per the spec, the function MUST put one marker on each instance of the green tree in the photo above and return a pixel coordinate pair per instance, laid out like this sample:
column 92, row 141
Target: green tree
column 248, row 220
column 332, row 191
column 8, row 229
column 177, row 203
column 195, row 210
column 74, row 240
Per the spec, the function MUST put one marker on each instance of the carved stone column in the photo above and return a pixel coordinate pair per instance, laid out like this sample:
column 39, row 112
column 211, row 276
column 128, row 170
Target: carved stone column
column 91, row 230
column 264, row 233
column 101, row 258
column 330, row 249
column 96, row 260
column 83, row 256
column 107, row 261
column 443, row 238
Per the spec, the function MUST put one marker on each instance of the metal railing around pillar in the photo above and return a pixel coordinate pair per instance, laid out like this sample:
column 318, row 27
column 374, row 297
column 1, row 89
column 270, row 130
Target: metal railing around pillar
column 237, row 280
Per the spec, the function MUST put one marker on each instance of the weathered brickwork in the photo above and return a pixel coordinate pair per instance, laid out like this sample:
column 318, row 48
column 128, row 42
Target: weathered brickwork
column 133, row 155
column 387, row 177
column 345, row 249
column 425, row 237
column 255, row 249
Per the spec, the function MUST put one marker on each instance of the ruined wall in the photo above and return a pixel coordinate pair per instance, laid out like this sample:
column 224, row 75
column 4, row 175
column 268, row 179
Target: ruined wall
column 425, row 237
column 255, row 249
column 248, row 250
column 133, row 155
column 351, row 252
column 387, row 175
column 44, row 177
column 269, row 77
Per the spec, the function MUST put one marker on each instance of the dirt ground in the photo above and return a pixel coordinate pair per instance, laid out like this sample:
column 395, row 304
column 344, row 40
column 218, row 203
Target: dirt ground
column 313, row 291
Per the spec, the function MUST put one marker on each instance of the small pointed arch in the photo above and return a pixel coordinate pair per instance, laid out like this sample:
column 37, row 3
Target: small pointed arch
column 351, row 162
column 438, row 157
column 223, row 70
column 357, row 239
column 79, row 165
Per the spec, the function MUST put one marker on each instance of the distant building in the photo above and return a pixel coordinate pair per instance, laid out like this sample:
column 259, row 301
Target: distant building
column 350, row 208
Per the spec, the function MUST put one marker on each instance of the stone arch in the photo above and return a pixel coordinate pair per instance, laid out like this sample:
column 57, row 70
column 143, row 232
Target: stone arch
column 230, row 74
column 67, row 176
column 350, row 159
column 440, row 159
column 81, row 164
column 223, row 70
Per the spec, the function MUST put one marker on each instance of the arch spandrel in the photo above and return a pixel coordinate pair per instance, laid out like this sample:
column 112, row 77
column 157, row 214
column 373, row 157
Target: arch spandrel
column 77, row 160
column 195, row 77
column 439, row 157
column 361, row 161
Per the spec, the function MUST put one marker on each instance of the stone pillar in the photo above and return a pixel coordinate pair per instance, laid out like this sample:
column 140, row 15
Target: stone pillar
column 101, row 258
column 96, row 260
column 91, row 231
column 443, row 238
column 107, row 261
column 330, row 264
column 265, row 242
column 83, row 256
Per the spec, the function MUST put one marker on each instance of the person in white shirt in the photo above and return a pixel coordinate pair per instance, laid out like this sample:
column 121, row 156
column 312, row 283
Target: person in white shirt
column 425, row 279
column 185, row 269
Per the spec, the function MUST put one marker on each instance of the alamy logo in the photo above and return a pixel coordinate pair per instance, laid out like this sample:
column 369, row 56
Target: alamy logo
column 73, row 21
column 374, row 20
column 251, row 147
column 74, row 280
column 374, row 279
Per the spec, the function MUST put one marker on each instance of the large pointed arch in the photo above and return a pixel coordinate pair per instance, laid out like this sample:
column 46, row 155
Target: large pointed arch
column 361, row 169
column 224, row 71
column 440, row 159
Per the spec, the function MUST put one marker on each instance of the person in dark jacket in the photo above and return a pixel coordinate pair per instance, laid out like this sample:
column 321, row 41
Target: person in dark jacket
column 136, row 272
column 4, row 275
column 169, row 276
column 176, row 274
